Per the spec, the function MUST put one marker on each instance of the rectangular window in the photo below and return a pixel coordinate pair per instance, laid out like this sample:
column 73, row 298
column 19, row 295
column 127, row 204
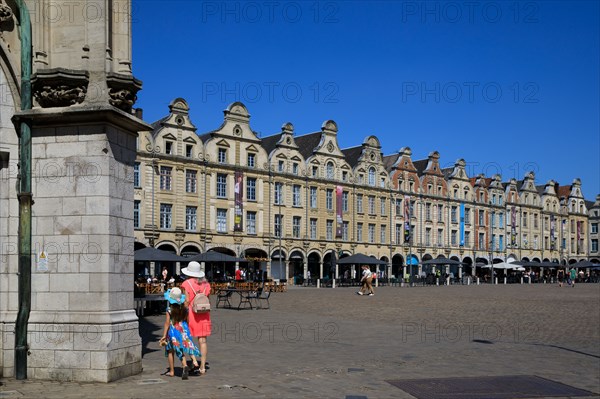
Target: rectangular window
column 428, row 212
column 188, row 150
column 345, row 201
column 329, row 199
column 190, row 218
column 440, row 213
column 278, row 225
column 168, row 147
column 278, row 200
column 344, row 176
column 359, row 232
column 493, row 242
column 398, row 207
column 222, row 220
column 481, row 243
column 296, row 195
column 251, row 222
column 222, row 157
column 382, row 203
column 165, row 177
column 359, row 203
column 295, row 168
column 136, row 174
column 501, row 220
column 525, row 219
column 251, row 160
column 428, row 236
column 382, row 235
column 190, row 181
column 440, row 238
column 535, row 242
column 313, row 197
column 280, row 166
column 500, row 242
column 594, row 245
column 313, row 229
column 371, row 233
column 345, row 230
column 467, row 216
column 453, row 240
column 251, row 189
column 594, row 228
column 221, row 185
column 136, row 214
column 453, row 217
column 493, row 219
column 296, row 226
column 329, row 230
column 371, row 205
column 535, row 221
column 481, row 217
column 165, row 216
column 315, row 171
column 467, row 238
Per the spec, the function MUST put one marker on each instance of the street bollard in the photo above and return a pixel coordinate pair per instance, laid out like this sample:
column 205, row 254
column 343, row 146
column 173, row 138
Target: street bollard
column 333, row 283
column 318, row 283
column 477, row 280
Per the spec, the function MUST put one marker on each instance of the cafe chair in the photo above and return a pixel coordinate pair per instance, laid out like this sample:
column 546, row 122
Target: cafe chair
column 263, row 296
column 223, row 297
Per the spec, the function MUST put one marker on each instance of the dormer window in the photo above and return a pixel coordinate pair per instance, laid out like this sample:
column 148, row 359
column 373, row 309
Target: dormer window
column 168, row 147
column 315, row 171
column 344, row 176
column 251, row 160
column 295, row 168
column 382, row 182
column 222, row 158
column 371, row 176
column 280, row 165
column 188, row 150
column 330, row 173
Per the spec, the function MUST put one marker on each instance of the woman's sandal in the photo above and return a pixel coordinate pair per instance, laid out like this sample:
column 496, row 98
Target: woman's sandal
column 202, row 371
column 185, row 374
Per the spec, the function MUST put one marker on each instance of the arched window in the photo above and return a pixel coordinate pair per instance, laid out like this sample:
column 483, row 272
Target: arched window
column 371, row 176
column 330, row 170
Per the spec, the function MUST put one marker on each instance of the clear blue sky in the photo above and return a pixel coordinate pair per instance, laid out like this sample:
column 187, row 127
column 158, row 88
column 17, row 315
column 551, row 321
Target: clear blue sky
column 508, row 86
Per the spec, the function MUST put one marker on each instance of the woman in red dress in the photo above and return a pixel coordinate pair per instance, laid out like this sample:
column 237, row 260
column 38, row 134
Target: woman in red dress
column 199, row 323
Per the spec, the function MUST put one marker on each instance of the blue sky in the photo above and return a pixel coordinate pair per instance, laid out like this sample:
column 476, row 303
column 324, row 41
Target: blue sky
column 508, row 86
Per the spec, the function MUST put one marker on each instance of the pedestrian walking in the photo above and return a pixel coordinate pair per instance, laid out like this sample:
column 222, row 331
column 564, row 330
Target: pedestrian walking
column 560, row 276
column 573, row 276
column 176, row 337
column 200, row 323
column 366, row 282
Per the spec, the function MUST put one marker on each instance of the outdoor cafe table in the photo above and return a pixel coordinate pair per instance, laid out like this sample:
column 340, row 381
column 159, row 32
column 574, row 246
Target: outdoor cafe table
column 244, row 295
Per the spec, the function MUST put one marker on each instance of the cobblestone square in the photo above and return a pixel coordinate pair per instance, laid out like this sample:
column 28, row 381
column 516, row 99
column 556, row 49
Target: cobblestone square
column 333, row 343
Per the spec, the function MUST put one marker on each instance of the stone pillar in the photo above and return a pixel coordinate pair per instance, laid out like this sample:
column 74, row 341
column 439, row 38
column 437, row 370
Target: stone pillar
column 82, row 326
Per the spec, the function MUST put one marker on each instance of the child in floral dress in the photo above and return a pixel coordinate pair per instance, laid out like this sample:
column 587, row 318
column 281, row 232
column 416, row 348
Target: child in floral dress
column 176, row 336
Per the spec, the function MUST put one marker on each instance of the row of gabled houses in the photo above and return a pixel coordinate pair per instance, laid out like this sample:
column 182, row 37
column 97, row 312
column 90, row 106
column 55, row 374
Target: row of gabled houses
column 292, row 204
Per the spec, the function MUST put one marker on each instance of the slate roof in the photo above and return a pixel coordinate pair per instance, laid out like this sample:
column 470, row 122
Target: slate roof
column 389, row 161
column 420, row 165
column 307, row 143
column 269, row 143
column 352, row 155
column 447, row 172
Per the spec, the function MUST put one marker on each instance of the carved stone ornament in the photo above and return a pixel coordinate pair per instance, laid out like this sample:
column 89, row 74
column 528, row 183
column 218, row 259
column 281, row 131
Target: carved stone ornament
column 122, row 90
column 330, row 146
column 6, row 13
column 59, row 87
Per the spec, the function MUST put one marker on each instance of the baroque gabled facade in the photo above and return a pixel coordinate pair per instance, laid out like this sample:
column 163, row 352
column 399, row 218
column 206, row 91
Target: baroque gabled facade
column 293, row 204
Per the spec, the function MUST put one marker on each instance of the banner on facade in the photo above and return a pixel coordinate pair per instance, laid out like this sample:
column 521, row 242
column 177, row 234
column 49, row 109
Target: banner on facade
column 513, row 226
column 462, row 225
column 578, row 236
column 340, row 221
column 552, row 228
column 407, row 217
column 563, row 243
column 239, row 201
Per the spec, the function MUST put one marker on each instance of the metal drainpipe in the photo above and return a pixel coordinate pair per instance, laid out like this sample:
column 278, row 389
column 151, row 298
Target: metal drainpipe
column 25, row 198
